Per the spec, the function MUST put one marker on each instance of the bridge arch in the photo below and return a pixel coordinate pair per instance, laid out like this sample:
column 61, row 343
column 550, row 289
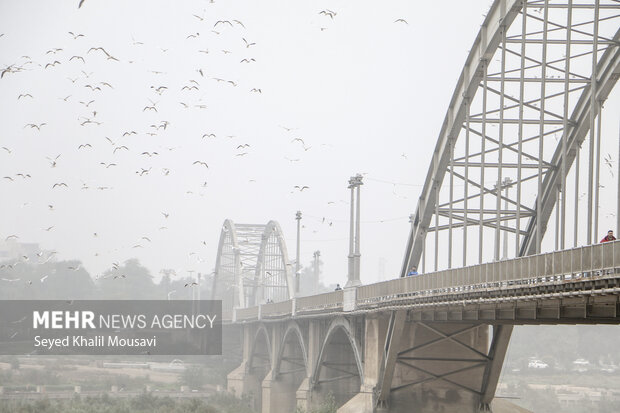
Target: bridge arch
column 259, row 365
column 292, row 351
column 339, row 372
column 501, row 168
column 252, row 266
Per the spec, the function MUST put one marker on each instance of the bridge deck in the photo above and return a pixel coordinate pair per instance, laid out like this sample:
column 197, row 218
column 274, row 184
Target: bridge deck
column 576, row 285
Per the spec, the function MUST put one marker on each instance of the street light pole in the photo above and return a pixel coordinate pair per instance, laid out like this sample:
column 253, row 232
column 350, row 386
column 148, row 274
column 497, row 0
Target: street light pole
column 354, row 234
column 297, row 264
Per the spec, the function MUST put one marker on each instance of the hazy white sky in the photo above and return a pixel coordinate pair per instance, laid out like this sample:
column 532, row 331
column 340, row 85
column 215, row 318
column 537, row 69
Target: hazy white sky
column 365, row 94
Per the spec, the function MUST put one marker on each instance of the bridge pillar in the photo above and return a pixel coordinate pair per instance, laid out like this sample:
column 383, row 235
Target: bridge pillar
column 440, row 366
column 375, row 331
column 304, row 392
column 247, row 378
column 275, row 393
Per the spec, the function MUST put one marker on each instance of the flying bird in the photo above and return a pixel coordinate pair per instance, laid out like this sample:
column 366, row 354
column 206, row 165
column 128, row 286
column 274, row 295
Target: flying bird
column 301, row 188
column 247, row 44
column 248, row 60
column 77, row 58
column 222, row 22
column 32, row 125
column 24, row 95
column 60, row 184
column 328, row 12
column 53, row 64
column 75, row 36
column 401, row 21
column 87, row 145
column 201, row 163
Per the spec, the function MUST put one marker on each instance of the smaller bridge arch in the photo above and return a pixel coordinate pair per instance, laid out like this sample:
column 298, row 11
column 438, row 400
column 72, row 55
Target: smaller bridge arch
column 259, row 365
column 339, row 372
column 290, row 370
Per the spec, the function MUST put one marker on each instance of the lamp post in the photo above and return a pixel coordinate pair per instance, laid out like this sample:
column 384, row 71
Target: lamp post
column 297, row 263
column 355, row 182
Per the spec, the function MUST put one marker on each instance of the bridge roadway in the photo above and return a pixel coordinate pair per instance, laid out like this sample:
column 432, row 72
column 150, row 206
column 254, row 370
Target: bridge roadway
column 434, row 341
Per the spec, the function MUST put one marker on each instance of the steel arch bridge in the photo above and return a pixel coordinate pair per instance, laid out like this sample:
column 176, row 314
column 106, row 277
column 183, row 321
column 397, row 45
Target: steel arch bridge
column 521, row 140
column 507, row 159
column 252, row 266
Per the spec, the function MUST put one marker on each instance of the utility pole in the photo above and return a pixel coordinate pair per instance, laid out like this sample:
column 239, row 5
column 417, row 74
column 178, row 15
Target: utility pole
column 315, row 271
column 355, row 182
column 297, row 263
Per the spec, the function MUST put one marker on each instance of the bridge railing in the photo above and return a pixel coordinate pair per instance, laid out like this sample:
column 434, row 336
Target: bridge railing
column 277, row 309
column 598, row 260
column 320, row 302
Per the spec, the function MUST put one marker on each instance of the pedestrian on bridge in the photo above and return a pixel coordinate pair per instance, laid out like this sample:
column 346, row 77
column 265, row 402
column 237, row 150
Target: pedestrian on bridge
column 413, row 271
column 609, row 236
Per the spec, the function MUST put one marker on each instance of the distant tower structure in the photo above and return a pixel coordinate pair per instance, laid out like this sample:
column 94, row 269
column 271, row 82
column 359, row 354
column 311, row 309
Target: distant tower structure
column 316, row 272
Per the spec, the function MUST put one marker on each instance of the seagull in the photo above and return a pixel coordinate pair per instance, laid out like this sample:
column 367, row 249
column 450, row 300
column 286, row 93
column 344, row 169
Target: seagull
column 6, row 149
column 24, row 95
column 191, row 284
column 201, row 163
column 81, row 2
column 118, row 148
column 77, row 58
column 74, row 268
column 75, row 36
column 52, row 161
column 53, row 64
column 87, row 145
column 256, row 90
column 87, row 104
column 247, row 44
column 11, row 237
column 65, row 99
column 60, row 184
column 48, row 229
column 32, row 125
column 241, row 154
column 166, row 215
column 328, row 12
column 301, row 188
column 107, row 165
column 222, row 22
column 401, row 21
column 130, row 133
column 208, row 135
column 248, row 60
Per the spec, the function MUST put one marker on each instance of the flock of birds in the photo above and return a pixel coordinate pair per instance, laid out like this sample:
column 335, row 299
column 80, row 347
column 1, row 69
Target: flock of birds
column 84, row 89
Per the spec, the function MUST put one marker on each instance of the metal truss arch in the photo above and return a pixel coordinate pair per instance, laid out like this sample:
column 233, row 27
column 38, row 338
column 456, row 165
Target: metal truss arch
column 273, row 275
column 252, row 265
column 537, row 70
